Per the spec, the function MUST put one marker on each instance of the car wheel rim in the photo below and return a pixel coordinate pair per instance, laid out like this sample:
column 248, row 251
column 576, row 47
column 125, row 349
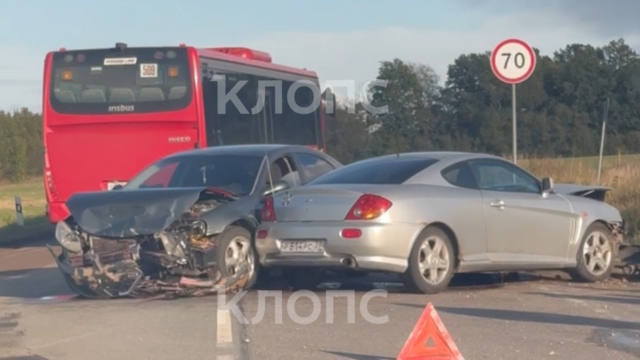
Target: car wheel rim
column 597, row 253
column 238, row 255
column 433, row 260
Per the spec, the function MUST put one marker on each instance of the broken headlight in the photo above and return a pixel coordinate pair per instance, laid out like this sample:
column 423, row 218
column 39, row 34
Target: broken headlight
column 68, row 238
column 199, row 227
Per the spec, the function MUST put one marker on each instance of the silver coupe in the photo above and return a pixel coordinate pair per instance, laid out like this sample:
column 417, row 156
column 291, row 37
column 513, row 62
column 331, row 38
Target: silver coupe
column 430, row 215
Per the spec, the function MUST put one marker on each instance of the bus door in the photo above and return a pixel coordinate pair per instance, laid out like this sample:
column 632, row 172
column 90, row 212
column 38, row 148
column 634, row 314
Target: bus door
column 263, row 127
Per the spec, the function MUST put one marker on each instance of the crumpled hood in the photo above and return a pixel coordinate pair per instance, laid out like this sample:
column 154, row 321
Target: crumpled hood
column 130, row 213
column 572, row 189
column 596, row 192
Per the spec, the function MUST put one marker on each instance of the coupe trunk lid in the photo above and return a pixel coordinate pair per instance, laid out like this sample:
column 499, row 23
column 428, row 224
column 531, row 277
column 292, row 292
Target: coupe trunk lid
column 316, row 203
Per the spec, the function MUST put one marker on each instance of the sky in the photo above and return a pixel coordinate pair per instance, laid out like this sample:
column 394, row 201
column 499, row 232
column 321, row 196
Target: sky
column 340, row 40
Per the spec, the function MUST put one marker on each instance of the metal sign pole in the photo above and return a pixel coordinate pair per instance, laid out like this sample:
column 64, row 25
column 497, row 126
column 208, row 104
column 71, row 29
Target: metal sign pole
column 514, row 114
column 604, row 125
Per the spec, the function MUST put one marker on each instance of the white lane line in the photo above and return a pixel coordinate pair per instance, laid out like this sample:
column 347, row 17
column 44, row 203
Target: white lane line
column 225, row 357
column 224, row 332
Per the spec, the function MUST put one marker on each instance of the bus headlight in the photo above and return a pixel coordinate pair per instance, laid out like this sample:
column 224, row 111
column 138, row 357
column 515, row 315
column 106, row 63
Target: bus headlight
column 68, row 238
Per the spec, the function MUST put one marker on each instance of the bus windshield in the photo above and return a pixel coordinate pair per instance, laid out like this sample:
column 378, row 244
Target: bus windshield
column 131, row 80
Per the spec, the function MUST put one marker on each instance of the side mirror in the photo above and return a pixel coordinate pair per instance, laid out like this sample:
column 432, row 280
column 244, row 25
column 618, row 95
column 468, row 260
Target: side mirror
column 277, row 187
column 117, row 187
column 547, row 185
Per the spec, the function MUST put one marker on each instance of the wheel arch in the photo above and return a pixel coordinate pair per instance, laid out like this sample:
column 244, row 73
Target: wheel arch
column 248, row 224
column 452, row 237
column 616, row 229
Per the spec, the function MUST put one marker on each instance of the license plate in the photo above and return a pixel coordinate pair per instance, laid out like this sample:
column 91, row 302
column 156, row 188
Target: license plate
column 302, row 247
column 113, row 184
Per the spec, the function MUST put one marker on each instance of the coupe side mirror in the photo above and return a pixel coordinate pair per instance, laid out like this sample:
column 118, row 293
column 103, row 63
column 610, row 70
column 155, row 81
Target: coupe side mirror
column 277, row 187
column 547, row 185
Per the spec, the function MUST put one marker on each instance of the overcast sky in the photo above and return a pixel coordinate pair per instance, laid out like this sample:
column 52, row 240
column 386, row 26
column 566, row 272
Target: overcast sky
column 341, row 40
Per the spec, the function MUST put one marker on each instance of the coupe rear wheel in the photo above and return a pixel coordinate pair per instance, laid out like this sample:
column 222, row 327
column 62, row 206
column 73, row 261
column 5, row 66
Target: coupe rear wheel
column 237, row 254
column 431, row 263
column 596, row 255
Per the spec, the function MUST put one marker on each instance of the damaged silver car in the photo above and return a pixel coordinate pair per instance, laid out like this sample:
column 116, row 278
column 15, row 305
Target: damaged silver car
column 182, row 227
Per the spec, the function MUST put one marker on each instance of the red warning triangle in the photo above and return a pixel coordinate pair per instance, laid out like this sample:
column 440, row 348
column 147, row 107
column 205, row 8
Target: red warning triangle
column 430, row 340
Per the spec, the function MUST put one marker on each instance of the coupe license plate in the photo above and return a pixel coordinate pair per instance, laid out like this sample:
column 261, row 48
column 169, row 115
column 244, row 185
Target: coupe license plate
column 302, row 247
column 113, row 184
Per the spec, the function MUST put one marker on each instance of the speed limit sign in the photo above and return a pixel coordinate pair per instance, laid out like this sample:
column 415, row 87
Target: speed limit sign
column 513, row 61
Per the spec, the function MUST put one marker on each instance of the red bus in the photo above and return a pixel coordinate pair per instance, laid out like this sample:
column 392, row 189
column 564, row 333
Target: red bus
column 110, row 112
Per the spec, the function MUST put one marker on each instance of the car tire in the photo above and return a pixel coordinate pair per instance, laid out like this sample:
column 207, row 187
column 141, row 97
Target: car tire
column 424, row 250
column 303, row 278
column 235, row 243
column 597, row 243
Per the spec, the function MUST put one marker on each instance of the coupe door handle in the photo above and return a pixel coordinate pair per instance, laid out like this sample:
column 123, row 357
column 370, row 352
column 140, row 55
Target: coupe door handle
column 497, row 203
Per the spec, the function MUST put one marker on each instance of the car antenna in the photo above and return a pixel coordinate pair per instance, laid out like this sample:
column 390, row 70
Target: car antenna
column 266, row 157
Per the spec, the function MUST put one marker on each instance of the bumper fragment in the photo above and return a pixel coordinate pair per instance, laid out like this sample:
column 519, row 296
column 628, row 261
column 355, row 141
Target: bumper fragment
column 117, row 275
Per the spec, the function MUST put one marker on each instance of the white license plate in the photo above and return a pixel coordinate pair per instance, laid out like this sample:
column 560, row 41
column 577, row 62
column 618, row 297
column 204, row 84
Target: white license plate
column 311, row 246
column 113, row 184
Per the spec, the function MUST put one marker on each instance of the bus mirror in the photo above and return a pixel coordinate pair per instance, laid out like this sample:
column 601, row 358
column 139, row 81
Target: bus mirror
column 329, row 102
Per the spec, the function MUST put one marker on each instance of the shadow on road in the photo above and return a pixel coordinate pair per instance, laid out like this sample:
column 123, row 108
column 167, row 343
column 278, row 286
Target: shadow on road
column 355, row 356
column 392, row 282
column 537, row 317
column 39, row 239
column 33, row 283
column 613, row 298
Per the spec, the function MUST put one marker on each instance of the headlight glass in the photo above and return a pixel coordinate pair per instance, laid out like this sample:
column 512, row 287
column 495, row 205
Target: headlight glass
column 199, row 227
column 68, row 238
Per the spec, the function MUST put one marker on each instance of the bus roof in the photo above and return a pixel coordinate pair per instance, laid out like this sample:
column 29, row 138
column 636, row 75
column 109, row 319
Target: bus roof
column 252, row 58
column 238, row 55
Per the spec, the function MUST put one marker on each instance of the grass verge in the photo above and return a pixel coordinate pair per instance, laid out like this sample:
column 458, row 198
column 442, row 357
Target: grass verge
column 32, row 195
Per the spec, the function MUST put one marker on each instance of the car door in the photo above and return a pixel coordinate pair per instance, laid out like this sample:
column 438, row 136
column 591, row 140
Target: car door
column 312, row 166
column 469, row 220
column 524, row 226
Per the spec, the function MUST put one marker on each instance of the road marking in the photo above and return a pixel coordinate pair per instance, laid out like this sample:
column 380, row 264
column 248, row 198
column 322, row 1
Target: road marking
column 224, row 332
column 225, row 357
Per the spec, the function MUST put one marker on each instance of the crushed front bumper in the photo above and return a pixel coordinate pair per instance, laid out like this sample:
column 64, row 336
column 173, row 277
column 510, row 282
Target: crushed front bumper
column 107, row 275
column 116, row 274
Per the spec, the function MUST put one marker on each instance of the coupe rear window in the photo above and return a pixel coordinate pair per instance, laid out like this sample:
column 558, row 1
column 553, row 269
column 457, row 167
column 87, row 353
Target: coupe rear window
column 382, row 172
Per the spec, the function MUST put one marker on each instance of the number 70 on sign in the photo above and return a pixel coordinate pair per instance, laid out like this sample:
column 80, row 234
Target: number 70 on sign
column 513, row 61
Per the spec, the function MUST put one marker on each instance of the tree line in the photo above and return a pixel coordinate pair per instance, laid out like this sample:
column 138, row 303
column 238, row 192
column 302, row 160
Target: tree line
column 560, row 108
column 21, row 148
column 559, row 111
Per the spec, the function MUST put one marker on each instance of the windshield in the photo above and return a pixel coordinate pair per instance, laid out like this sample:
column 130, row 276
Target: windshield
column 233, row 173
column 378, row 172
column 128, row 81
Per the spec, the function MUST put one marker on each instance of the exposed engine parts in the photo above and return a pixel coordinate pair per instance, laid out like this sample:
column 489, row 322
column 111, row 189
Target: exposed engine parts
column 180, row 260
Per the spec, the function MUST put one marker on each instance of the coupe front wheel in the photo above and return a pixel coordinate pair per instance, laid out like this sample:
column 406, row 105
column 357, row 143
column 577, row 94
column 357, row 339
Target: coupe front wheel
column 596, row 255
column 431, row 263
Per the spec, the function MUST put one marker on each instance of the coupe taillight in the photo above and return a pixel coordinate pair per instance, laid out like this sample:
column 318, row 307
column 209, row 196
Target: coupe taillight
column 268, row 211
column 368, row 207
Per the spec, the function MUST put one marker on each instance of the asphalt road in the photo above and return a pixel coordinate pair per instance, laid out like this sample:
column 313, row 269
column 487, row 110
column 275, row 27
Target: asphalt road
column 533, row 318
